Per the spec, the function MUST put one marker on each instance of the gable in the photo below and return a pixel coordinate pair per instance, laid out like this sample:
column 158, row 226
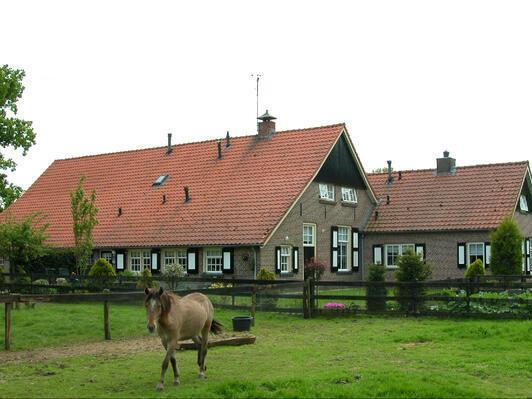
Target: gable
column 340, row 168
column 526, row 190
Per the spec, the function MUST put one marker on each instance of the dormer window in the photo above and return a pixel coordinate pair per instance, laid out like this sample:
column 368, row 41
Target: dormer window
column 523, row 204
column 160, row 180
column 327, row 192
column 349, row 195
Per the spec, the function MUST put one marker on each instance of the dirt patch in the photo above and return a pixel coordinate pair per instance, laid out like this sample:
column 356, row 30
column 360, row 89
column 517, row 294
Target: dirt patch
column 150, row 343
column 410, row 345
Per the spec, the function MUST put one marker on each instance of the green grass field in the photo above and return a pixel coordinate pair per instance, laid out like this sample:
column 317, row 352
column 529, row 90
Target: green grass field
column 337, row 357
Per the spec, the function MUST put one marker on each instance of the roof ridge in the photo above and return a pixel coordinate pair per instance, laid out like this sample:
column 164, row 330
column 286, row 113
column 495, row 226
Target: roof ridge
column 484, row 165
column 194, row 142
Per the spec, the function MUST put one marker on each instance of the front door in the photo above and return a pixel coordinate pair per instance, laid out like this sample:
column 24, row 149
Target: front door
column 309, row 242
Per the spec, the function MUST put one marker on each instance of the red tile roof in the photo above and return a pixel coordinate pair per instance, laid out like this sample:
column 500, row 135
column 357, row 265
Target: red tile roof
column 238, row 199
column 475, row 197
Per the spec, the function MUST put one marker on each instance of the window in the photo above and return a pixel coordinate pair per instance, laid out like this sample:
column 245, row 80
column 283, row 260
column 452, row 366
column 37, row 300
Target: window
column 523, row 204
column 160, row 180
column 349, row 195
column 285, row 259
column 309, row 235
column 108, row 256
column 175, row 257
column 475, row 251
column 327, row 191
column 139, row 259
column 343, row 246
column 394, row 251
column 213, row 260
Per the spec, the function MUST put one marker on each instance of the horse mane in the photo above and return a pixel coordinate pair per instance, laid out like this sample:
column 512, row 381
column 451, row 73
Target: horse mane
column 166, row 300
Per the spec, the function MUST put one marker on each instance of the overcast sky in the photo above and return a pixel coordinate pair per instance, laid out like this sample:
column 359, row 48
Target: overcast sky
column 409, row 78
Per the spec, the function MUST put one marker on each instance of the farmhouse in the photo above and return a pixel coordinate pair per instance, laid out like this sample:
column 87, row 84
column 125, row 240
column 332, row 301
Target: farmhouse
column 276, row 200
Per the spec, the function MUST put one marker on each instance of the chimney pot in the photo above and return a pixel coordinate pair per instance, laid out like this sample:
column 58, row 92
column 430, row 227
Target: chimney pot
column 169, row 149
column 266, row 126
column 446, row 154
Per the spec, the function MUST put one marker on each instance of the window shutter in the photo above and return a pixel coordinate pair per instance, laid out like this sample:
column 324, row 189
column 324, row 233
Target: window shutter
column 461, row 255
column 192, row 261
column 421, row 251
column 228, row 260
column 334, row 248
column 120, row 260
column 377, row 255
column 156, row 259
column 278, row 260
column 295, row 257
column 487, row 254
column 355, row 258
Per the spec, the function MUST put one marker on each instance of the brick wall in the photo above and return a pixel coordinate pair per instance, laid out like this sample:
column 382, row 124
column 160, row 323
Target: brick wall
column 309, row 209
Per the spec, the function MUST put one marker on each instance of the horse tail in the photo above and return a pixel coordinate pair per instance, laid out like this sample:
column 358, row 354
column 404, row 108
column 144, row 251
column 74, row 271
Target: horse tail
column 216, row 327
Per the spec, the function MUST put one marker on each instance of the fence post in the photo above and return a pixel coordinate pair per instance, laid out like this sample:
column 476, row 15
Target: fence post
column 253, row 303
column 468, row 295
column 312, row 303
column 106, row 326
column 306, row 298
column 233, row 293
column 7, row 323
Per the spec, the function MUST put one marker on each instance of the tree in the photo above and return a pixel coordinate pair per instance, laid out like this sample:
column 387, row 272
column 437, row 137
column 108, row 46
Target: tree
column 84, row 213
column 23, row 242
column 506, row 248
column 102, row 275
column 14, row 132
column 314, row 269
column 411, row 269
column 376, row 293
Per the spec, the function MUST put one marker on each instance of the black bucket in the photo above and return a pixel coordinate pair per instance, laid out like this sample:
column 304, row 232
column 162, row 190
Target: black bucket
column 242, row 323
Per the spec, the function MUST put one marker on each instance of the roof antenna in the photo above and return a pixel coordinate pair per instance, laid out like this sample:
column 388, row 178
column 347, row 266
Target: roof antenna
column 257, row 76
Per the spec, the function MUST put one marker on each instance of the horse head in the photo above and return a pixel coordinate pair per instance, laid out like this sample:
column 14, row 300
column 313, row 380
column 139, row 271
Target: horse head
column 156, row 304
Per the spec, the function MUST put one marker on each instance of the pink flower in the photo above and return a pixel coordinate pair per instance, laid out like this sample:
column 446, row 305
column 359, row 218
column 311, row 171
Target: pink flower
column 334, row 305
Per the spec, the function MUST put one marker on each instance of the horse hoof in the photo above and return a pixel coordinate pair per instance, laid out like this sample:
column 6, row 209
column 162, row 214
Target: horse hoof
column 201, row 376
column 159, row 387
column 176, row 381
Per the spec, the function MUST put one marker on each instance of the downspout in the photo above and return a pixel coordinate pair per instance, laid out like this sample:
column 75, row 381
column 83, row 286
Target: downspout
column 254, row 263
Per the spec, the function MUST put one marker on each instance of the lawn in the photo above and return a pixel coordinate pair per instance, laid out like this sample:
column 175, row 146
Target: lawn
column 322, row 357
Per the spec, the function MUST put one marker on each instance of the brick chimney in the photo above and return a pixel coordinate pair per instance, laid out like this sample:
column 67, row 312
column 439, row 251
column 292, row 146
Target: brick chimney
column 266, row 126
column 446, row 165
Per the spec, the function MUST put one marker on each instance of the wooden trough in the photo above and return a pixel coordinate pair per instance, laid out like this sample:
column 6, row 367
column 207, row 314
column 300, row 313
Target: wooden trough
column 220, row 341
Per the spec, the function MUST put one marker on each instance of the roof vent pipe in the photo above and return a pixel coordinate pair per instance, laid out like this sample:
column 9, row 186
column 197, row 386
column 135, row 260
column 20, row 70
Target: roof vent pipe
column 187, row 196
column 219, row 149
column 169, row 149
column 389, row 180
column 227, row 140
column 119, row 211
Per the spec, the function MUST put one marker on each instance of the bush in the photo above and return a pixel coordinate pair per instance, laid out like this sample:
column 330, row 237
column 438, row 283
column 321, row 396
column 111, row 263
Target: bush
column 146, row 279
column 101, row 275
column 475, row 269
column 265, row 274
column 411, row 268
column 54, row 259
column 44, row 290
column 376, row 274
column 65, row 285
column 2, row 278
column 266, row 303
column 314, row 269
column 172, row 274
column 506, row 249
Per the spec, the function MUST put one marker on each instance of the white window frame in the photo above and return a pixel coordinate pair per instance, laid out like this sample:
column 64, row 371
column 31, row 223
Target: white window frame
column 285, row 265
column 401, row 252
column 312, row 226
column 104, row 254
column 523, row 203
column 341, row 243
column 482, row 255
column 174, row 256
column 349, row 195
column 135, row 255
column 326, row 191
column 218, row 257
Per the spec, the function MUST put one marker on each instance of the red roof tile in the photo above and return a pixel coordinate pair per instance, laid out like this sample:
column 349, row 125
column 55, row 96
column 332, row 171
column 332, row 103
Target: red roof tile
column 475, row 197
column 236, row 200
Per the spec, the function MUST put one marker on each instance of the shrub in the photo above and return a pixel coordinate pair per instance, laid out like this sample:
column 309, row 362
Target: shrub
column 65, row 285
column 475, row 269
column 376, row 274
column 262, row 302
column 314, row 269
column 506, row 249
column 101, row 275
column 411, row 268
column 2, row 278
column 44, row 290
column 146, row 279
column 172, row 274
column 265, row 274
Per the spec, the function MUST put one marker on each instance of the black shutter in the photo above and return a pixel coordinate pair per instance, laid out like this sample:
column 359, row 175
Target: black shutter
column 334, row 249
column 355, row 243
column 156, row 256
column 295, row 259
column 461, row 255
column 228, row 260
column 487, row 250
column 423, row 249
column 378, row 253
column 278, row 260
column 192, row 261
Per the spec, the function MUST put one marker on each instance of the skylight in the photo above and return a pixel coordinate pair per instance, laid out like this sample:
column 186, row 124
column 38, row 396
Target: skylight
column 160, row 180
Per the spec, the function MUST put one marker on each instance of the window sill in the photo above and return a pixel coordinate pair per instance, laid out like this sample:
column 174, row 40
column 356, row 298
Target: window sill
column 344, row 272
column 391, row 267
column 349, row 204
column 327, row 201
column 287, row 274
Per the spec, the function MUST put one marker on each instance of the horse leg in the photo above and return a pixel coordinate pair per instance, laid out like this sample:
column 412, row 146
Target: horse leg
column 197, row 341
column 164, row 366
column 202, row 354
column 175, row 368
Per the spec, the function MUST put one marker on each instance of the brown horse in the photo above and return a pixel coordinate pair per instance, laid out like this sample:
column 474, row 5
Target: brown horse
column 180, row 318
